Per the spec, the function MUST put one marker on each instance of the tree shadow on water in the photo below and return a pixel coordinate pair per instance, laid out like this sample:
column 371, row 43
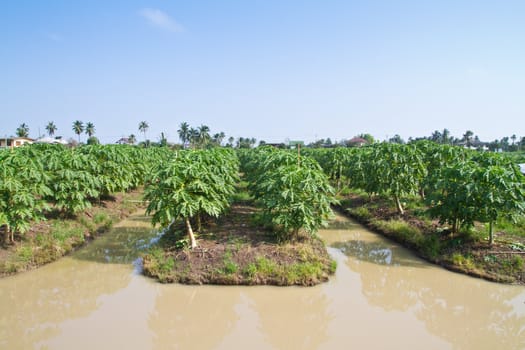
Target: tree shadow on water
column 379, row 253
column 121, row 245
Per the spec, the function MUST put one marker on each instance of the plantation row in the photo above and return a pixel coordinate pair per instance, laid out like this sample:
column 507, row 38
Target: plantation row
column 191, row 184
column 293, row 193
column 459, row 186
column 38, row 179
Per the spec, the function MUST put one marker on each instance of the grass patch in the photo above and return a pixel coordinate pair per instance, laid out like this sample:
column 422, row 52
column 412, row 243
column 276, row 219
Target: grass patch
column 467, row 251
column 362, row 213
column 48, row 241
column 399, row 229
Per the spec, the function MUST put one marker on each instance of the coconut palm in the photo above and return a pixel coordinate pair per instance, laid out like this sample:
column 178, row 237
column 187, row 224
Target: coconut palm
column 22, row 130
column 143, row 127
column 467, row 137
column 90, row 129
column 193, row 137
column 204, row 135
column 78, row 128
column 446, row 136
column 51, row 128
column 217, row 138
column 184, row 133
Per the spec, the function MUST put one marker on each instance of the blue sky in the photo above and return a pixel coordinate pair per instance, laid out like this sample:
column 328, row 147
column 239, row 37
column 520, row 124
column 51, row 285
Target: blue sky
column 266, row 69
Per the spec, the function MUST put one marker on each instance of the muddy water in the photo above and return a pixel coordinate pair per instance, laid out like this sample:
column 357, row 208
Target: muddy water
column 382, row 297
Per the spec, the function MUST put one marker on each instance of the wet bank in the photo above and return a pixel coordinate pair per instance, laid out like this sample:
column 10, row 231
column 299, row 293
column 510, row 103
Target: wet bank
column 381, row 296
column 467, row 251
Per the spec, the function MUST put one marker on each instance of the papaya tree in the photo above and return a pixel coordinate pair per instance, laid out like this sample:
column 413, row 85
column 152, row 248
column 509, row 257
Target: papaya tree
column 452, row 199
column 72, row 185
column 499, row 192
column 392, row 169
column 192, row 183
column 469, row 191
column 294, row 192
column 22, row 189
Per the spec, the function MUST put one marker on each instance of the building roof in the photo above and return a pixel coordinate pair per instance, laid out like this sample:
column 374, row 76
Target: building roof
column 46, row 139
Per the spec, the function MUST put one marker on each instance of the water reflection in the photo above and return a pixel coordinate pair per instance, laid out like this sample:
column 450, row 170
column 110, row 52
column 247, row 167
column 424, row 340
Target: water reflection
column 467, row 312
column 292, row 318
column 382, row 253
column 33, row 307
column 124, row 244
column 193, row 317
column 36, row 304
column 381, row 297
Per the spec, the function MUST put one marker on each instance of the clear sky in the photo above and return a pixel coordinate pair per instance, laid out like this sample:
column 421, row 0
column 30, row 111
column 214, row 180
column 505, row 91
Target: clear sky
column 269, row 69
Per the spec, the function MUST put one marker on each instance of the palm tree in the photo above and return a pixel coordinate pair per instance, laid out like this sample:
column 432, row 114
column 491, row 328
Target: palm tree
column 513, row 138
column 90, row 129
column 217, row 138
column 22, row 130
column 194, row 136
column 132, row 139
column 78, row 128
column 467, row 137
column 143, row 127
column 204, row 135
column 51, row 128
column 446, row 136
column 184, row 133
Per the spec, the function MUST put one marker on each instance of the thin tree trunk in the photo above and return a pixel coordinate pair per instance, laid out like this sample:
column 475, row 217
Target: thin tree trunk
column 455, row 226
column 199, row 222
column 398, row 205
column 190, row 233
column 491, row 233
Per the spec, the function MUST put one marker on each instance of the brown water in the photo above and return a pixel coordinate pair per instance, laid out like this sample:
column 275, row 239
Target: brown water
column 381, row 297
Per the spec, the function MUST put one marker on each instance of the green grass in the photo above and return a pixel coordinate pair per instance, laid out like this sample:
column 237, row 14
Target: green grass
column 400, row 229
column 62, row 238
column 510, row 228
column 158, row 264
column 362, row 213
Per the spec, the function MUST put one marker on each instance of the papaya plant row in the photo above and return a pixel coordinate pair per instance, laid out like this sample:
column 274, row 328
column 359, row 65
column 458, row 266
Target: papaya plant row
column 292, row 190
column 191, row 184
column 459, row 186
column 39, row 178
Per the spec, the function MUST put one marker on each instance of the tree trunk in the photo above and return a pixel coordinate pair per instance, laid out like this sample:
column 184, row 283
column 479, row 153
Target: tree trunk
column 190, row 233
column 455, row 226
column 9, row 235
column 422, row 193
column 199, row 222
column 491, row 233
column 398, row 205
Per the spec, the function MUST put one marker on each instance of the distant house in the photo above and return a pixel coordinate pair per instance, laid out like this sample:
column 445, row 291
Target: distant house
column 276, row 145
column 54, row 141
column 124, row 141
column 294, row 144
column 356, row 142
column 11, row 142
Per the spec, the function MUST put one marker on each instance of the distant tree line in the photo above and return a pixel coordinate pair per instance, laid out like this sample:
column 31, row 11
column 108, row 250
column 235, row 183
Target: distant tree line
column 201, row 137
